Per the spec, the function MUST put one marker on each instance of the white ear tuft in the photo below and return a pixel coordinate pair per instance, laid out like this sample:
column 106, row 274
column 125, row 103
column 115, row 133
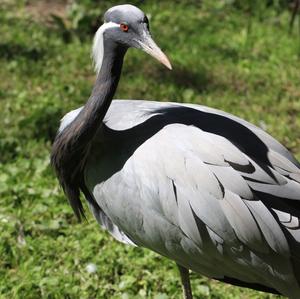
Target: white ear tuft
column 98, row 45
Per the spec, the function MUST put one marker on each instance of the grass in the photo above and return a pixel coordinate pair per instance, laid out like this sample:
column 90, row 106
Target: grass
column 217, row 62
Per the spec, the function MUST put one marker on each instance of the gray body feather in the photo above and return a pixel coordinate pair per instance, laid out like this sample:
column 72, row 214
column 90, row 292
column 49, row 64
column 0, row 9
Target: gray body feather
column 199, row 186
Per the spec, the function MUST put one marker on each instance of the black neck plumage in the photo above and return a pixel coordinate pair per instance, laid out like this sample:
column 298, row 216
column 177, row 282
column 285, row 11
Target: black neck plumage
column 71, row 146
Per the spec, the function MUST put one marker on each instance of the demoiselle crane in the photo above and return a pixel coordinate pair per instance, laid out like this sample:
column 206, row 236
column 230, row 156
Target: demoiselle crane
column 212, row 192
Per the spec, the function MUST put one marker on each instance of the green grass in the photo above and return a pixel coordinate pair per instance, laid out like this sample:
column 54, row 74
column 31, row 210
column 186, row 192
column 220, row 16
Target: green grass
column 217, row 62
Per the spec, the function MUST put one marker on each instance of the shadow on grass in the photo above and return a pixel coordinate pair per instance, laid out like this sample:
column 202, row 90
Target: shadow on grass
column 228, row 53
column 11, row 51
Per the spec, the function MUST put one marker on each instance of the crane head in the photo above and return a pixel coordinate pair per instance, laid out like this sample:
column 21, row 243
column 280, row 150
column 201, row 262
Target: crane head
column 127, row 26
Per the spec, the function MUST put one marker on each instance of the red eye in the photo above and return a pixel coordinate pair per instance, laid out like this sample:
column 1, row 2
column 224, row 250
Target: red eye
column 124, row 27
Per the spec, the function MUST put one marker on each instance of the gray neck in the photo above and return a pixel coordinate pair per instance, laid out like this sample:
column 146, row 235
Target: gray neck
column 71, row 146
column 90, row 118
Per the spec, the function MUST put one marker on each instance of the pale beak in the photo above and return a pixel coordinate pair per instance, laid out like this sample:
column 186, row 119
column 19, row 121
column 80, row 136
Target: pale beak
column 149, row 46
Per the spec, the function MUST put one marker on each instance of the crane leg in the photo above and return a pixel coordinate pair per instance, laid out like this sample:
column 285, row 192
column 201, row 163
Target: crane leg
column 185, row 282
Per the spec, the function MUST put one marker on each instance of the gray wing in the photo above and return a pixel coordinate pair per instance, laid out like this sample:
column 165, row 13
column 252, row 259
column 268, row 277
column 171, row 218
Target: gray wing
column 195, row 197
column 227, row 186
column 225, row 200
column 215, row 180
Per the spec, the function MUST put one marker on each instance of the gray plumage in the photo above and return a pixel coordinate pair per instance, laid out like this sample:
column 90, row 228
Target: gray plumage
column 202, row 187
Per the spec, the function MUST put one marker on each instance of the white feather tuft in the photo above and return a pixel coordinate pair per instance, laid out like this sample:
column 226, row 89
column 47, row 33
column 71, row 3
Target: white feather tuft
column 98, row 46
